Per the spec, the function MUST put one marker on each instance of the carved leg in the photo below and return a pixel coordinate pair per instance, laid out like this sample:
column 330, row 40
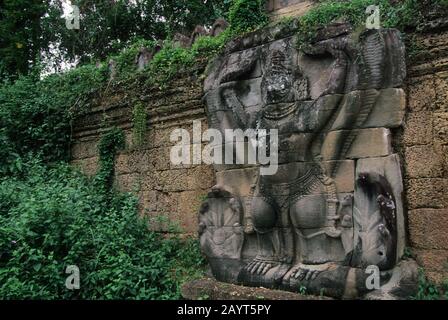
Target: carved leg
column 270, row 239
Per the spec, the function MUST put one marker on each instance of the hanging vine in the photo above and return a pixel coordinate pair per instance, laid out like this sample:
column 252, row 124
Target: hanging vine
column 111, row 142
column 139, row 119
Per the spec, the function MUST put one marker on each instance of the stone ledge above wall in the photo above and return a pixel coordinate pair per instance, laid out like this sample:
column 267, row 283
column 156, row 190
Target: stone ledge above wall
column 278, row 9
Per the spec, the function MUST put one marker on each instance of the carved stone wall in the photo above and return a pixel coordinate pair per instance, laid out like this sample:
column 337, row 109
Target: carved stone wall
column 424, row 145
column 176, row 193
column 163, row 189
column 335, row 206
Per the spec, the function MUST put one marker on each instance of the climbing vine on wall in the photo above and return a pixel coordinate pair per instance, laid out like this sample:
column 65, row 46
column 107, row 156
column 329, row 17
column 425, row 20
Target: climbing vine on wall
column 139, row 119
column 111, row 142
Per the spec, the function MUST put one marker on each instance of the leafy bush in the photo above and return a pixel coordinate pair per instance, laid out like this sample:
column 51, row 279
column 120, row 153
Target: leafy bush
column 172, row 60
column 139, row 119
column 56, row 217
column 429, row 291
column 405, row 13
column 35, row 116
column 111, row 142
column 247, row 15
column 125, row 60
column 443, row 2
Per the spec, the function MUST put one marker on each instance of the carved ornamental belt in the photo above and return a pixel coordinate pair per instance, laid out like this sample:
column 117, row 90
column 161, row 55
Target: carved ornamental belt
column 280, row 195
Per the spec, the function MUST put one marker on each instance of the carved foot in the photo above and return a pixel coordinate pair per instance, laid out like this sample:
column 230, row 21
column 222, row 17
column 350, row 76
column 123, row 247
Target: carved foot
column 307, row 272
column 261, row 265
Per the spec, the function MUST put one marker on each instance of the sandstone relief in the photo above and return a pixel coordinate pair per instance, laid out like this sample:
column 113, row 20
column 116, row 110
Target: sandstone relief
column 334, row 206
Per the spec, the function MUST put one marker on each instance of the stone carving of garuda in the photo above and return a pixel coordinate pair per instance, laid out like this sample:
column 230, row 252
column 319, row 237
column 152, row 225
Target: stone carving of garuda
column 334, row 207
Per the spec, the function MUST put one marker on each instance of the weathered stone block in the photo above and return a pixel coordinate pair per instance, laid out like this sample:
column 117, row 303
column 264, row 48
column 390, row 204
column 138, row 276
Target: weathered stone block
column 438, row 277
column 194, row 156
column 128, row 182
column 441, row 127
column 149, row 181
column 427, row 193
column 433, row 259
column 200, row 178
column 426, row 228
column 418, row 128
column 156, row 159
column 441, row 87
column 197, row 289
column 84, row 149
column 367, row 143
column 444, row 151
column 122, row 164
column 422, row 94
column 423, row 162
column 383, row 108
column 188, row 205
column 389, row 109
column 172, row 180
column 88, row 166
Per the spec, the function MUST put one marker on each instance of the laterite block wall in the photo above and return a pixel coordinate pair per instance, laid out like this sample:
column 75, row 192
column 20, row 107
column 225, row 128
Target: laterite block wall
column 425, row 151
column 174, row 193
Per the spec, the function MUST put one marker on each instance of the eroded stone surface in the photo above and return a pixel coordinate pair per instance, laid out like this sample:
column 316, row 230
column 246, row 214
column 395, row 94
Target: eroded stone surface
column 314, row 222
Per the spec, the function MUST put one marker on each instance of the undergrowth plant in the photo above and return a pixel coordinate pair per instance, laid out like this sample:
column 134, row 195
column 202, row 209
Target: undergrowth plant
column 403, row 14
column 427, row 290
column 36, row 115
column 56, row 217
column 52, row 216
column 111, row 142
column 139, row 119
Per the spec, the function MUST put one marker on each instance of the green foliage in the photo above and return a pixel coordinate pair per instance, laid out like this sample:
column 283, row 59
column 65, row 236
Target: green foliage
column 303, row 290
column 247, row 15
column 443, row 3
column 34, row 31
column 139, row 119
column 173, row 60
column 111, row 142
column 56, row 217
column 35, row 116
column 170, row 61
column 405, row 13
column 429, row 291
column 21, row 35
column 125, row 59
column 408, row 254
